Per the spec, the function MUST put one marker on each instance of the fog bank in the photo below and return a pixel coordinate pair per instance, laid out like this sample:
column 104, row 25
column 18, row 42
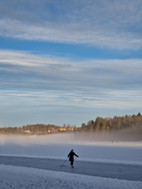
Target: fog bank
column 125, row 137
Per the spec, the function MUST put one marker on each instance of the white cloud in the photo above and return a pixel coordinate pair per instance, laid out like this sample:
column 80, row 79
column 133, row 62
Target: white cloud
column 109, row 24
column 46, row 100
column 52, row 85
column 60, row 81
column 65, row 74
column 39, row 87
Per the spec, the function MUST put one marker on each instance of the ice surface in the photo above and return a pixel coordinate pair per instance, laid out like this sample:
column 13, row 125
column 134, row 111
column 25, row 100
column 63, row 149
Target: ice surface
column 12, row 177
column 57, row 147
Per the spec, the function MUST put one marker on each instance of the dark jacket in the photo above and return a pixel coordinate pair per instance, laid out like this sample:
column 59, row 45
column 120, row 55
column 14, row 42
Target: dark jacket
column 71, row 156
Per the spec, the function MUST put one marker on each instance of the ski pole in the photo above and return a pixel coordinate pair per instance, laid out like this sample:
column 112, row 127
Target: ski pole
column 75, row 159
column 63, row 163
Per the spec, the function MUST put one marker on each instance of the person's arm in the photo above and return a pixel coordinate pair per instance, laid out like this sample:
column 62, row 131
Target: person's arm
column 76, row 155
column 69, row 155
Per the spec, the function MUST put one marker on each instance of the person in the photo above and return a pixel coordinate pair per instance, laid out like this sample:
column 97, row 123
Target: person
column 71, row 157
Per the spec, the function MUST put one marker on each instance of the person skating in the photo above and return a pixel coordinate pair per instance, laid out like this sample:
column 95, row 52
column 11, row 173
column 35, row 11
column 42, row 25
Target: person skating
column 71, row 157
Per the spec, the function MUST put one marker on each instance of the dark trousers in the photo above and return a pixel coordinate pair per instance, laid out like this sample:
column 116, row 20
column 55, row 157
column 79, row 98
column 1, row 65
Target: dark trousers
column 71, row 163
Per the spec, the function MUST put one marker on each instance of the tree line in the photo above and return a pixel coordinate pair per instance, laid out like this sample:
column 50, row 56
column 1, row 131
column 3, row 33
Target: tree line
column 99, row 124
column 115, row 123
column 37, row 129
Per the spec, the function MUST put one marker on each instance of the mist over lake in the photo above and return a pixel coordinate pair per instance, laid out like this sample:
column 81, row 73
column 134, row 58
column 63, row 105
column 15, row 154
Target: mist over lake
column 57, row 146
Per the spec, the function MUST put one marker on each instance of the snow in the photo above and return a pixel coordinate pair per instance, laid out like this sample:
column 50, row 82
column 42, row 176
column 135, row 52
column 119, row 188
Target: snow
column 12, row 177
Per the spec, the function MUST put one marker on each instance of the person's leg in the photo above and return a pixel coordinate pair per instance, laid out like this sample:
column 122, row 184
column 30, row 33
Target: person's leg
column 72, row 164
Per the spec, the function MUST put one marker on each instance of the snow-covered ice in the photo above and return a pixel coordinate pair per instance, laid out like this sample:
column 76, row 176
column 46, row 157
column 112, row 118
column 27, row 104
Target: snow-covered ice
column 58, row 146
column 19, row 177
column 12, row 177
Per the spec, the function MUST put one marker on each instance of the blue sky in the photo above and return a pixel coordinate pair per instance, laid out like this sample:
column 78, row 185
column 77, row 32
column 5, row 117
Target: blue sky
column 67, row 62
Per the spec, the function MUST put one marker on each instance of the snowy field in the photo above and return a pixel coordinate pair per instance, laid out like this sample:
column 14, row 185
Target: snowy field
column 30, row 178
column 57, row 148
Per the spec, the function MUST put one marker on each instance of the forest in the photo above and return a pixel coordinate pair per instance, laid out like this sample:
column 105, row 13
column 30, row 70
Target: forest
column 115, row 123
column 99, row 124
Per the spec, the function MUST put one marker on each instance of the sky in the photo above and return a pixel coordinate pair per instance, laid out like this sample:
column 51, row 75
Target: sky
column 69, row 61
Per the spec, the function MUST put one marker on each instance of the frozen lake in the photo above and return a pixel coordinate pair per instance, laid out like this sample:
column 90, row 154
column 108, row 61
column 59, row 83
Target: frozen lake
column 100, row 164
column 108, row 170
column 58, row 147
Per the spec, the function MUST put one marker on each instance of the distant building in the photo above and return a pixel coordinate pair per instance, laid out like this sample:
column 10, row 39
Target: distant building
column 27, row 131
column 63, row 129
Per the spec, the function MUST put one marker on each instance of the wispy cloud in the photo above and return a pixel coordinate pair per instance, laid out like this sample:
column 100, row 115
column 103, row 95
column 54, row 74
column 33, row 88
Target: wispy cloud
column 110, row 24
column 63, row 67
column 34, row 83
column 47, row 99
column 44, row 72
